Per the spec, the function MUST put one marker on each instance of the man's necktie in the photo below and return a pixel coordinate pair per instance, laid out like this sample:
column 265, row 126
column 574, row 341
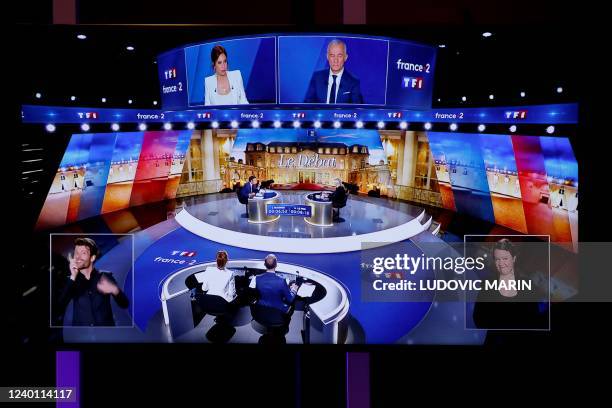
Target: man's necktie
column 332, row 94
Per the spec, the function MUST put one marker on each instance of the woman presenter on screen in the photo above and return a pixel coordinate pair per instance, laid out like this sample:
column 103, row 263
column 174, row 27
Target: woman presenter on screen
column 507, row 307
column 223, row 87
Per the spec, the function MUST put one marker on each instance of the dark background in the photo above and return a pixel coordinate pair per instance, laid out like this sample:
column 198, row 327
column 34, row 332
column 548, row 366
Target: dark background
column 536, row 46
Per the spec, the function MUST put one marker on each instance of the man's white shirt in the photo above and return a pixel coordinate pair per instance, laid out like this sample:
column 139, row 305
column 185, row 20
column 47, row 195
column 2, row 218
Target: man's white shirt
column 330, row 82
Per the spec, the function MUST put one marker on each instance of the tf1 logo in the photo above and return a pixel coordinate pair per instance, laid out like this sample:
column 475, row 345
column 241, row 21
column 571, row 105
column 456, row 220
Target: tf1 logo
column 298, row 115
column 394, row 115
column 188, row 254
column 412, row 82
column 88, row 115
column 522, row 114
column 170, row 73
column 205, row 115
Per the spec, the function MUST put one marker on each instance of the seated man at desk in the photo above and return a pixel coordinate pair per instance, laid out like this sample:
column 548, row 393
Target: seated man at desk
column 248, row 191
column 273, row 290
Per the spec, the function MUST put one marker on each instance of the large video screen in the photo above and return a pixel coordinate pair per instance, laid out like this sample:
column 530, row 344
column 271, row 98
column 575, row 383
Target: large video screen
column 105, row 172
column 243, row 72
column 298, row 159
column 158, row 255
column 313, row 69
column 526, row 183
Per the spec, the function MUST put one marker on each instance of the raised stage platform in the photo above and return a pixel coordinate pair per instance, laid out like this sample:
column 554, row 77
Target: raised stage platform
column 364, row 219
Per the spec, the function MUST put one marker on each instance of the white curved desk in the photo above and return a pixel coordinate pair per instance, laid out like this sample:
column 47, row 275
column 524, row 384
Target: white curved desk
column 299, row 245
column 325, row 315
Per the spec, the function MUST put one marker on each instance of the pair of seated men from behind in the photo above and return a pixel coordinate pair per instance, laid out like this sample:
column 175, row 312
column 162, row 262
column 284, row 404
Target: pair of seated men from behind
column 275, row 298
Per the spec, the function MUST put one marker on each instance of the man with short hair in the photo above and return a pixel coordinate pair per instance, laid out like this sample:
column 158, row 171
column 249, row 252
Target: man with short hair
column 90, row 289
column 273, row 290
column 248, row 191
column 336, row 84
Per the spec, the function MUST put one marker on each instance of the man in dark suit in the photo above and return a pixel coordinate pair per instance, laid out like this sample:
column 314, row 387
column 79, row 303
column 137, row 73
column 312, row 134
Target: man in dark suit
column 334, row 85
column 248, row 191
column 273, row 290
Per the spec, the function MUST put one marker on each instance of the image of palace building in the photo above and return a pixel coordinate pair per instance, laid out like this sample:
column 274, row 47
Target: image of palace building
column 407, row 173
column 310, row 163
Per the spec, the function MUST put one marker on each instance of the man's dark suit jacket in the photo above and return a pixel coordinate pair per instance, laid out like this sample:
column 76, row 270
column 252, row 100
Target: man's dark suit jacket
column 349, row 91
column 273, row 291
column 245, row 191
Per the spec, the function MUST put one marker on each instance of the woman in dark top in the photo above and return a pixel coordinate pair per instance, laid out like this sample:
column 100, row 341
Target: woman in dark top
column 507, row 308
column 496, row 311
column 338, row 197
